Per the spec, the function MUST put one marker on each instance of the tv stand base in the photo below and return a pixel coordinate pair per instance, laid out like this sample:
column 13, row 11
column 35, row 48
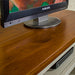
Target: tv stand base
column 43, row 22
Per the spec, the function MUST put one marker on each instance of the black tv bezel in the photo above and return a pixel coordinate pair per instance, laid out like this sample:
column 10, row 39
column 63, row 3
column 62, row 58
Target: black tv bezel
column 6, row 16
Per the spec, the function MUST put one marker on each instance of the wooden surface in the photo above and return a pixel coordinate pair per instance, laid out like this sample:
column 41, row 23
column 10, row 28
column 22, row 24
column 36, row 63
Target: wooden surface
column 25, row 51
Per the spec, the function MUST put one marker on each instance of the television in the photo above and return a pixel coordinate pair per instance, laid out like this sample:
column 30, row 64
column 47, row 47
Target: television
column 33, row 12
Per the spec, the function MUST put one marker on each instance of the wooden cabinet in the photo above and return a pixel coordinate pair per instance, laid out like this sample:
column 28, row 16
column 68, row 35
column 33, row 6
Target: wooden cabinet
column 25, row 51
column 65, row 68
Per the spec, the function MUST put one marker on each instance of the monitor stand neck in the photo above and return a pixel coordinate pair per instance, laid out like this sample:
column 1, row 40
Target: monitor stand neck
column 43, row 22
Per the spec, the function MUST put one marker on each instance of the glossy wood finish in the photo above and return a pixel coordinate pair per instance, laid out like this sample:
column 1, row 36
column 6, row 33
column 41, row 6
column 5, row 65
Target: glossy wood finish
column 25, row 51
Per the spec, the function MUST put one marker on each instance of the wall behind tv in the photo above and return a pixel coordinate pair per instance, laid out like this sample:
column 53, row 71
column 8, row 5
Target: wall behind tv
column 71, row 5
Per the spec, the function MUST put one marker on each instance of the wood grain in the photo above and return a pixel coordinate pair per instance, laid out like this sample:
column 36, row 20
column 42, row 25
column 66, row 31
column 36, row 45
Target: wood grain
column 25, row 51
